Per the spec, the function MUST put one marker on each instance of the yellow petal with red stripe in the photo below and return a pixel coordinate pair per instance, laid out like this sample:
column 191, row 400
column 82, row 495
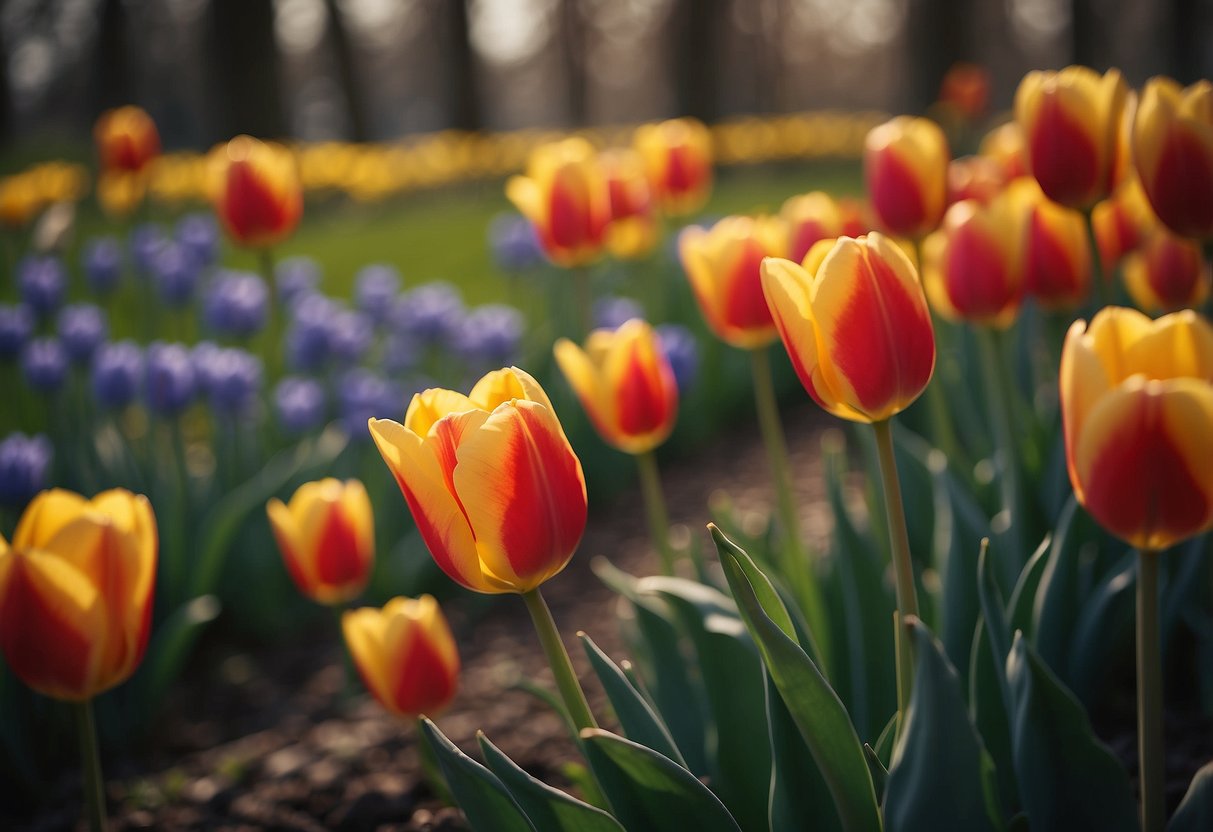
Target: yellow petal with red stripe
column 1173, row 152
column 905, row 164
column 588, row 384
column 641, row 387
column 428, row 406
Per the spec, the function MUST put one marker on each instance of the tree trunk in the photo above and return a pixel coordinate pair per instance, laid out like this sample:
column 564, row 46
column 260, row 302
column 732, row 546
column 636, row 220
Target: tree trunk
column 573, row 43
column 112, row 81
column 696, row 55
column 935, row 38
column 463, row 107
column 347, row 72
column 244, row 67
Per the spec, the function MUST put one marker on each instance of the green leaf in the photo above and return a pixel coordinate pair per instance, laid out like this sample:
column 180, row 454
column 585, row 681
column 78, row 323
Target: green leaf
column 1023, row 597
column 990, row 713
column 170, row 647
column 484, row 799
column 994, row 618
column 545, row 806
column 1067, row 778
column 639, row 721
column 1195, row 813
column 880, row 774
column 941, row 776
column 800, row 799
column 884, row 741
column 648, row 791
column 816, row 709
column 1104, row 628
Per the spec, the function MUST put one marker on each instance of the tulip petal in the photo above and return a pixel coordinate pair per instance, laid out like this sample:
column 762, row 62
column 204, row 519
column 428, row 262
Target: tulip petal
column 1179, row 344
column 286, row 533
column 587, row 383
column 48, row 512
column 645, row 393
column 365, row 633
column 428, row 406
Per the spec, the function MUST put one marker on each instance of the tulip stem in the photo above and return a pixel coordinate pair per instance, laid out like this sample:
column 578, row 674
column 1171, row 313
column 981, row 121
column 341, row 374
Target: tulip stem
column 654, row 504
column 903, row 567
column 796, row 566
column 558, row 660
column 90, row 766
column 1149, row 696
column 1103, row 288
column 585, row 301
column 994, row 376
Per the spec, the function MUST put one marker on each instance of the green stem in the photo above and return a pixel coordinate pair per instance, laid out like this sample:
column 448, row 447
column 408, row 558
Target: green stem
column 795, row 566
column 558, row 660
column 994, row 378
column 903, row 567
column 178, row 534
column 654, row 504
column 1149, row 696
column 1103, row 288
column 272, row 337
column 90, row 766
column 347, row 658
column 584, row 290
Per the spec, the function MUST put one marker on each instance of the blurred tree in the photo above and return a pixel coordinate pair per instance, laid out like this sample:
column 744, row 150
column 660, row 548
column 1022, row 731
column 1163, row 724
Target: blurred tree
column 455, row 35
column 572, row 36
column 243, row 55
column 6, row 96
column 347, row 71
column 112, row 81
column 935, row 37
column 696, row 53
column 1191, row 57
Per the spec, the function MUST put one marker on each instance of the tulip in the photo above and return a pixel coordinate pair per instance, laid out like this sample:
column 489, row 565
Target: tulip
column 905, row 165
column 1122, row 222
column 493, row 484
column 1057, row 261
column 810, row 217
column 565, row 198
column 326, row 534
column 1005, row 145
column 632, row 233
column 678, row 159
column 1071, row 121
column 1173, row 153
column 127, row 139
column 1168, row 273
column 724, row 265
column 19, row 201
column 966, row 89
column 855, row 215
column 120, row 192
column 975, row 177
column 256, row 191
column 405, row 654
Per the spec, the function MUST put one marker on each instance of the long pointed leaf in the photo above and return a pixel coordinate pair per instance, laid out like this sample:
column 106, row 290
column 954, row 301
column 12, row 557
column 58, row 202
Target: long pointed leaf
column 489, row 806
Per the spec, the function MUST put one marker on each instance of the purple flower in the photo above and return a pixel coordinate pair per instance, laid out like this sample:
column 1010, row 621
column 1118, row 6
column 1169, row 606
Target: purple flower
column 401, row 352
column 82, row 328
column 117, row 371
column 236, row 304
column 44, row 364
column 296, row 277
column 16, row 327
column 229, row 377
column 362, row 395
column 199, row 235
column 145, row 240
column 612, row 312
column 175, row 273
column 490, row 335
column 102, row 262
column 513, row 243
column 170, row 381
column 682, row 350
column 375, row 287
column 308, row 344
column 24, row 463
column 430, row 313
column 43, row 283
column 350, row 335
column 299, row 403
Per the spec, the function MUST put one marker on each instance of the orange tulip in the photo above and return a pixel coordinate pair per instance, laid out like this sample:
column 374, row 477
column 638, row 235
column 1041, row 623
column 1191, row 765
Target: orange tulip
column 975, row 177
column 76, row 592
column 493, row 484
column 405, row 654
column 126, row 139
column 678, row 158
column 326, row 534
column 1167, row 273
column 633, row 230
column 905, row 165
column 1122, row 222
column 1137, row 410
column 1057, row 264
column 256, row 191
column 565, row 197
column 1005, row 145
column 624, row 381
column 1173, row 152
column 856, row 325
column 1071, row 121
column 724, row 266
column 809, row 218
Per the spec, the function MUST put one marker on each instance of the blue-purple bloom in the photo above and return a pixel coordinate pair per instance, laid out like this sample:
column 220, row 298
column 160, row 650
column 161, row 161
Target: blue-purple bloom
column 198, row 234
column 299, row 404
column 430, row 313
column 170, row 382
column 401, row 352
column 611, row 312
column 362, row 395
column 25, row 462
column 230, row 378
column 175, row 272
column 42, row 281
column 16, row 327
column 102, row 262
column 375, row 286
column 145, row 240
column 350, row 336
column 236, row 304
column 117, row 374
column 682, row 350
column 296, row 277
column 44, row 364
column 490, row 335
column 82, row 328
column 308, row 337
column 513, row 243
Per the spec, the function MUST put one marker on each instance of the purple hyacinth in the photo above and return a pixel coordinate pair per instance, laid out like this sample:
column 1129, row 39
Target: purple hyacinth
column 375, row 287
column 299, row 404
column 42, row 280
column 145, row 240
column 401, row 353
column 363, row 395
column 170, row 382
column 490, row 335
column 431, row 313
column 44, row 364
column 296, row 277
column 117, row 373
column 16, row 327
column 682, row 350
column 513, row 243
column 308, row 343
column 230, row 378
column 102, row 262
column 198, row 234
column 174, row 272
column 82, row 328
column 25, row 462
column 236, row 304
column 350, row 336
column 612, row 312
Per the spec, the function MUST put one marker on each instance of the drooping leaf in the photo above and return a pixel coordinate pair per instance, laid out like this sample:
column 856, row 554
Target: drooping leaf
column 484, row 799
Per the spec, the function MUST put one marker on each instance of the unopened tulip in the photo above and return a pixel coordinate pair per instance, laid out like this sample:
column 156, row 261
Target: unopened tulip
column 855, row 215
column 405, row 654
column 256, row 191
column 127, row 139
column 1173, row 153
column 1122, row 222
column 966, row 89
column 1167, row 273
column 724, row 266
column 564, row 195
column 326, row 534
column 905, row 165
column 633, row 229
column 1137, row 410
column 624, row 381
column 1005, row 145
column 856, row 325
column 1071, row 121
column 678, row 159
column 1057, row 261
column 492, row 482
column 975, row 177
column 810, row 217
column 76, row 589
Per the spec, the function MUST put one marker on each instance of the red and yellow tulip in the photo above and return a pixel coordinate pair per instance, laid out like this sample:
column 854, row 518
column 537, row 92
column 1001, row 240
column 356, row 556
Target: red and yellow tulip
column 1071, row 122
column 966, row 90
column 1167, row 273
column 624, row 381
column 491, row 480
column 564, row 195
column 905, row 165
column 810, row 217
column 678, row 158
column 1173, row 153
column 633, row 230
column 1057, row 261
column 127, row 139
column 724, row 266
column 76, row 588
column 405, row 654
column 1137, row 410
column 856, row 325
column 1005, row 145
column 975, row 177
column 256, row 191
column 1122, row 222
column 326, row 534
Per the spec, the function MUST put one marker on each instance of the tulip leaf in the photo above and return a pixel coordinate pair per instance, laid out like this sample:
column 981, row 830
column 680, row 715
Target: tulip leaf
column 1195, row 813
column 885, row 739
column 990, row 712
column 545, row 806
column 648, row 791
column 170, row 647
column 1067, row 778
column 1023, row 597
column 484, row 799
column 639, row 721
column 880, row 774
column 1191, row 561
column 800, row 799
column 941, row 776
column 994, row 617
column 815, row 708
column 1103, row 628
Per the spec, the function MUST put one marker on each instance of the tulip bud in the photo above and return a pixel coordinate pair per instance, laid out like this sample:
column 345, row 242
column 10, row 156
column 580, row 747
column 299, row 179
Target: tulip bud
column 1168, row 273
column 1057, row 263
column 905, row 165
column 809, row 218
column 856, row 325
column 1137, row 411
column 565, row 198
column 975, row 177
column 632, row 233
column 1005, row 145
column 493, row 485
column 326, row 534
column 856, row 217
column 256, row 192
column 405, row 654
column 76, row 589
column 1071, row 121
column 625, row 383
column 1173, row 152
column 1122, row 222
column 724, row 266
column 126, row 139
column 678, row 159
column 966, row 90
